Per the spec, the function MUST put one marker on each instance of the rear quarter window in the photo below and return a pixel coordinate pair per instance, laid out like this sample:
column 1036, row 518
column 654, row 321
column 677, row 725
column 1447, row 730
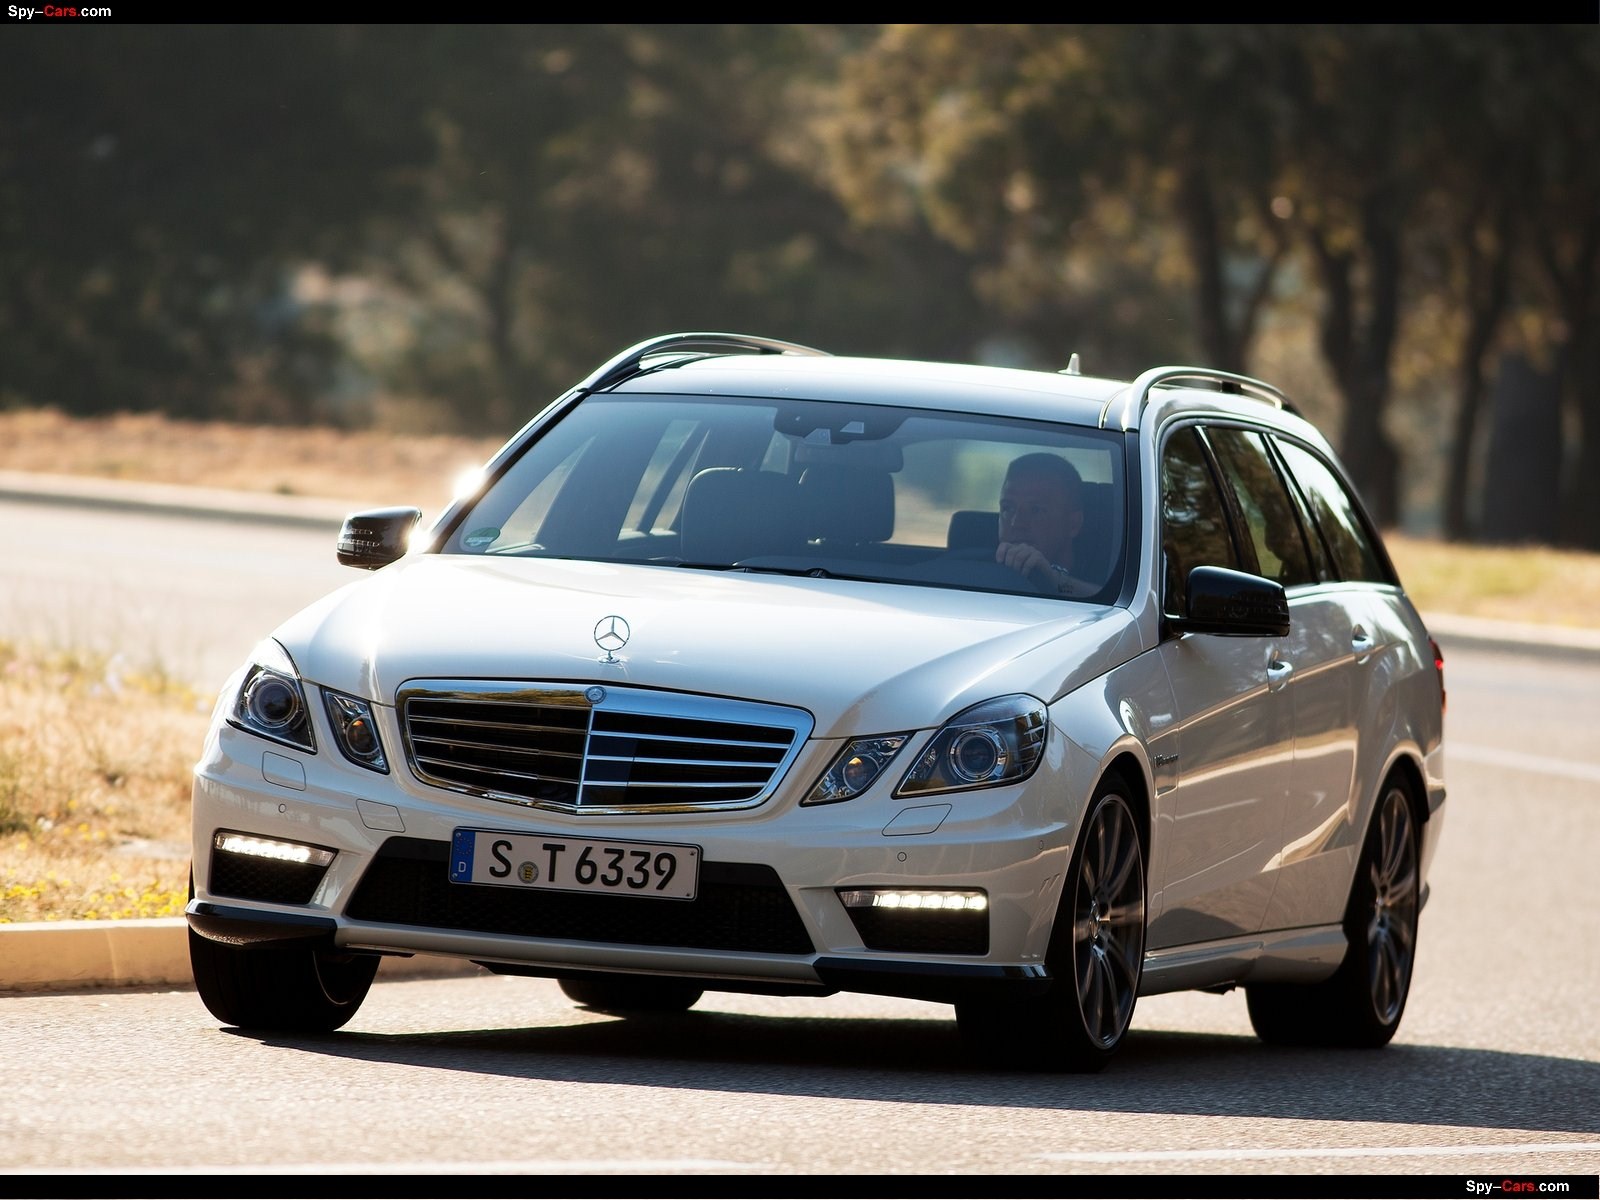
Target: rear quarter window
column 1349, row 541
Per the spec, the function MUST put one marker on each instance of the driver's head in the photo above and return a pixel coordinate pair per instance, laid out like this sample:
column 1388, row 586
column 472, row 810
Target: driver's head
column 1041, row 504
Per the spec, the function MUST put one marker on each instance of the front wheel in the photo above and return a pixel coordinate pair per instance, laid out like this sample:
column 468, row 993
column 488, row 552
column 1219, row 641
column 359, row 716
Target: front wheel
column 1096, row 955
column 289, row 987
column 1362, row 1003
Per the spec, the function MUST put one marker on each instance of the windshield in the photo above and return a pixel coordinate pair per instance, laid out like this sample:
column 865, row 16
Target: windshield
column 868, row 492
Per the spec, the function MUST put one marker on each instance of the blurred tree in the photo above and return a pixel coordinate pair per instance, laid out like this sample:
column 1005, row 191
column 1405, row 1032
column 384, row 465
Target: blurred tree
column 217, row 220
column 1566, row 198
column 1087, row 169
column 592, row 185
column 1060, row 155
column 1509, row 232
column 158, row 187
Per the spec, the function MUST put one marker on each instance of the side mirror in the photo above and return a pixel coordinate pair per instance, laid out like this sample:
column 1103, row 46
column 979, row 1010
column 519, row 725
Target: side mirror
column 378, row 537
column 1221, row 600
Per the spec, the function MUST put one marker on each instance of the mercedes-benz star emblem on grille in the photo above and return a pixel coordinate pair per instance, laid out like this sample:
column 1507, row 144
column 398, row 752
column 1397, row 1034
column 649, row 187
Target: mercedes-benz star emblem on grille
column 611, row 634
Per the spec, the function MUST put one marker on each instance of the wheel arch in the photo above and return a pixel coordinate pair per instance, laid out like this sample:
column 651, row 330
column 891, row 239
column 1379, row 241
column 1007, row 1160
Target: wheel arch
column 1130, row 768
column 1406, row 765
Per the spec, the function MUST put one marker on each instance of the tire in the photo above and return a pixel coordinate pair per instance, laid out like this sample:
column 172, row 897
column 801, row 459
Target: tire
column 1362, row 1003
column 285, row 987
column 1096, row 955
column 633, row 996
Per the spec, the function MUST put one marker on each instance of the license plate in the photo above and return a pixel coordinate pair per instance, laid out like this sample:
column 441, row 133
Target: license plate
column 564, row 864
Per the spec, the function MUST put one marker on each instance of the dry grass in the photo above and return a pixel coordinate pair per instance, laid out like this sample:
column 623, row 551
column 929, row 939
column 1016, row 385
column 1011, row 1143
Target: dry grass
column 96, row 760
column 1530, row 584
column 95, row 767
column 363, row 465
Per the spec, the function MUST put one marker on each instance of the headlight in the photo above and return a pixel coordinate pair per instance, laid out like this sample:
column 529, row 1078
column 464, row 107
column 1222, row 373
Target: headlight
column 998, row 741
column 355, row 730
column 858, row 764
column 271, row 703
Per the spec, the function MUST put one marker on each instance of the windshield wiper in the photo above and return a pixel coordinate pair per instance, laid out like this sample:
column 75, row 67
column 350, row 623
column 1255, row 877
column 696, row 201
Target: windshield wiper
column 801, row 572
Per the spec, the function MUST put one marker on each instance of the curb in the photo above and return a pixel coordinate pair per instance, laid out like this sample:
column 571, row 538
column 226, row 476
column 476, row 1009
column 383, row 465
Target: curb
column 1483, row 634
column 68, row 956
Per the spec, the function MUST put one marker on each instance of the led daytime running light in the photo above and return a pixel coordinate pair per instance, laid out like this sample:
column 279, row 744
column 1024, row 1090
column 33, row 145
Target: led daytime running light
column 290, row 852
column 964, row 901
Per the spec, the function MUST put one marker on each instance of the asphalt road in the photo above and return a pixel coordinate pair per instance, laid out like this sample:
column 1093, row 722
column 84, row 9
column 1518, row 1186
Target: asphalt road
column 1495, row 1074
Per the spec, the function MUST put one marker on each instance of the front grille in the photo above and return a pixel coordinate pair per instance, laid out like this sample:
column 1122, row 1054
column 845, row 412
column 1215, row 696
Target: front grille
column 740, row 907
column 603, row 750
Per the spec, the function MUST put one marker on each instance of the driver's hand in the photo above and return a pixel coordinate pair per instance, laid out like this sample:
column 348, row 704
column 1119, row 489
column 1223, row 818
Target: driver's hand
column 1020, row 556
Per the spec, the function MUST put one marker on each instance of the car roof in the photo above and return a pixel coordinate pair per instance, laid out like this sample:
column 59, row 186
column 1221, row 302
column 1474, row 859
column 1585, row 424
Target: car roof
column 957, row 387
column 908, row 383
column 748, row 365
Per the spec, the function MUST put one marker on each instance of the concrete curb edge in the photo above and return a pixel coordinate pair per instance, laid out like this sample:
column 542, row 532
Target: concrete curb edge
column 153, row 953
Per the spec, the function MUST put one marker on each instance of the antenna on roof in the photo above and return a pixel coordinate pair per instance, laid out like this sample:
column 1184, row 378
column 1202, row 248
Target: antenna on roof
column 1072, row 366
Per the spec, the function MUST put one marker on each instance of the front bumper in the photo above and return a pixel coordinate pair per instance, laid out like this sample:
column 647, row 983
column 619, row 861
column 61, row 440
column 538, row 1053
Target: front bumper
column 768, row 915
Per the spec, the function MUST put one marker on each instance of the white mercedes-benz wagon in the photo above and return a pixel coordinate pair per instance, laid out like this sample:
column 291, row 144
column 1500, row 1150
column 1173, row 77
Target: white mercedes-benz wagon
column 753, row 668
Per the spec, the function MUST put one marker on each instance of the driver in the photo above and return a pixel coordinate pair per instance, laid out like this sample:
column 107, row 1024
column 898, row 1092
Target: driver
column 1041, row 512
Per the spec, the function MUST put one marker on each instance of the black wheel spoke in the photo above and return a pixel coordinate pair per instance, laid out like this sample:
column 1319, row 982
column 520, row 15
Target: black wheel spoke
column 1391, row 928
column 1108, row 923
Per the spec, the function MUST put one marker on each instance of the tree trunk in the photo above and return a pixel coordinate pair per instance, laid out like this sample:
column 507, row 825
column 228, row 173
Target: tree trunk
column 1488, row 291
column 1576, row 283
column 1197, row 211
column 1358, row 352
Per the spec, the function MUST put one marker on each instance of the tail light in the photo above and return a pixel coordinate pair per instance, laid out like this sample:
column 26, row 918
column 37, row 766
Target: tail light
column 1438, row 665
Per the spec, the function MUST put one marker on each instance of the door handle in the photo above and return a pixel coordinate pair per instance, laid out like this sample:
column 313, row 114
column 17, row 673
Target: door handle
column 1278, row 672
column 1361, row 642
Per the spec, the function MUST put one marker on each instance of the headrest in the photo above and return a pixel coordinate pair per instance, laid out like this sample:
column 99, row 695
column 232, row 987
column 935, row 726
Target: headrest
column 971, row 529
column 847, row 504
column 730, row 513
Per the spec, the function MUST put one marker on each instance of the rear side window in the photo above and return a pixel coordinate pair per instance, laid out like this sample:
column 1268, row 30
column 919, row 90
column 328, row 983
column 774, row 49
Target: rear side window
column 1350, row 544
column 1193, row 521
column 1270, row 518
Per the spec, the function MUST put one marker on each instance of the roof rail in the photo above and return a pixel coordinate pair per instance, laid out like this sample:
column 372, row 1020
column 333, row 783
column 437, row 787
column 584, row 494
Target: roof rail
column 630, row 361
column 1137, row 393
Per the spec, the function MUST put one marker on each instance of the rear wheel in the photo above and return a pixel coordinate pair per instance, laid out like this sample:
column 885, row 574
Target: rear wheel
column 283, row 986
column 1096, row 955
column 633, row 996
column 1361, row 1004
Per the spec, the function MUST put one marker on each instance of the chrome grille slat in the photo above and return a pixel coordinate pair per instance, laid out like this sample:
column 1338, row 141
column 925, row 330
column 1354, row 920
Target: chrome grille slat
column 498, row 772
column 682, row 762
column 501, row 748
column 630, row 750
column 635, row 783
column 669, row 737
column 473, row 723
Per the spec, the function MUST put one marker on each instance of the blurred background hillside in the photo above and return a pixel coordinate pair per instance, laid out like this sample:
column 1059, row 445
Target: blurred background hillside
column 434, row 230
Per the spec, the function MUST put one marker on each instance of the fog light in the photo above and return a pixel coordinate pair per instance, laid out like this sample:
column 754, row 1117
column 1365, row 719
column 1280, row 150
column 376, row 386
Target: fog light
column 256, row 847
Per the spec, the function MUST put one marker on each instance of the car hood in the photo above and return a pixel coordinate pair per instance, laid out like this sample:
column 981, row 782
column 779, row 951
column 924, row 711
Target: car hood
column 860, row 657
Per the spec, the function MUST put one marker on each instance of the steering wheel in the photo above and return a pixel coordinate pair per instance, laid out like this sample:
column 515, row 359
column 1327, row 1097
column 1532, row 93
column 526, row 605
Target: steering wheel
column 978, row 568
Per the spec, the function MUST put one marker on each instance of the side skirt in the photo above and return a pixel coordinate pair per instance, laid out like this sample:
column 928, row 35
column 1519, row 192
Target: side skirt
column 1286, row 956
